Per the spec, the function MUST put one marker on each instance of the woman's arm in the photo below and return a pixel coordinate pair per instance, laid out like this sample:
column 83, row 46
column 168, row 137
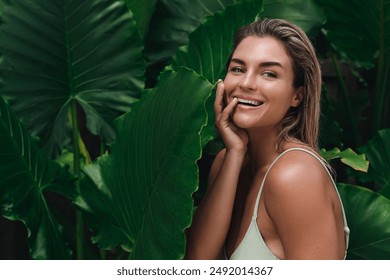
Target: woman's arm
column 207, row 234
column 303, row 205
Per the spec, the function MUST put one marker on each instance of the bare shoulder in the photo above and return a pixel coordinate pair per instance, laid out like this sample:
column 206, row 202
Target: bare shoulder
column 300, row 200
column 298, row 174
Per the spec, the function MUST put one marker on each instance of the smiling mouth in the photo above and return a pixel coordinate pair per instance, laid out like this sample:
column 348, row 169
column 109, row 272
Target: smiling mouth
column 251, row 103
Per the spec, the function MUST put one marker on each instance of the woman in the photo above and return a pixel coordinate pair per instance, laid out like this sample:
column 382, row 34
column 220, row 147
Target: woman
column 269, row 195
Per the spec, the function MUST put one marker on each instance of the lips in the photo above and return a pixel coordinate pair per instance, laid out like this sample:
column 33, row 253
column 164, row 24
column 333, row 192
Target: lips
column 247, row 102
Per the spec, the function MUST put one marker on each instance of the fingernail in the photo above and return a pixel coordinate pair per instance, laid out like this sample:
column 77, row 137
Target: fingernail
column 217, row 83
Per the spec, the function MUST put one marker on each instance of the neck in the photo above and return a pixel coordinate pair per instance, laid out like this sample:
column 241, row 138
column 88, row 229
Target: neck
column 262, row 147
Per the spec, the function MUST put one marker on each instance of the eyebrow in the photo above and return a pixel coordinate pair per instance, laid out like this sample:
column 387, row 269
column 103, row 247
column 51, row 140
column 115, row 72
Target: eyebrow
column 262, row 64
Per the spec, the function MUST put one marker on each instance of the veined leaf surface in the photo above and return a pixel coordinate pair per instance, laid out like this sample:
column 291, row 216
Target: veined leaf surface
column 55, row 52
column 25, row 175
column 141, row 198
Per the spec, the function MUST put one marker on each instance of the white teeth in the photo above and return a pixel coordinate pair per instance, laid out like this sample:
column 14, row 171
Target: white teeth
column 249, row 102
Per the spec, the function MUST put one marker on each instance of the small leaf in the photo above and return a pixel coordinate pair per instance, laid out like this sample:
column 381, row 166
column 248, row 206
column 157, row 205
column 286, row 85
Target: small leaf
column 348, row 157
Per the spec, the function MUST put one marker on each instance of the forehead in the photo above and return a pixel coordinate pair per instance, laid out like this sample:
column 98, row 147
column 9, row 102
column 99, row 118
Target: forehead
column 262, row 49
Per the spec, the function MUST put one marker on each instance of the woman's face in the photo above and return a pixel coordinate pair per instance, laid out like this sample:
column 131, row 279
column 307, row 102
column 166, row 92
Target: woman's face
column 260, row 75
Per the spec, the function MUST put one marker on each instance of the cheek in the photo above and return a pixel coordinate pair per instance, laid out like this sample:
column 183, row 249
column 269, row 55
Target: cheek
column 229, row 86
column 228, row 82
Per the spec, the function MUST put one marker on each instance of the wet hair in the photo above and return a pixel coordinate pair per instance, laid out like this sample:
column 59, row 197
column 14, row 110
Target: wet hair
column 301, row 124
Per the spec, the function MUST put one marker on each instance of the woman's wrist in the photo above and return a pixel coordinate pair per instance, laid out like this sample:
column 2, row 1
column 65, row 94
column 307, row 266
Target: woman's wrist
column 238, row 152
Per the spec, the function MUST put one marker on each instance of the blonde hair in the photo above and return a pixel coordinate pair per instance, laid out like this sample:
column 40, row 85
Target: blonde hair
column 301, row 124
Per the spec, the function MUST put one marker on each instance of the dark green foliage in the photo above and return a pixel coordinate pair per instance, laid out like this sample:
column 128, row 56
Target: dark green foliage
column 26, row 174
column 70, row 68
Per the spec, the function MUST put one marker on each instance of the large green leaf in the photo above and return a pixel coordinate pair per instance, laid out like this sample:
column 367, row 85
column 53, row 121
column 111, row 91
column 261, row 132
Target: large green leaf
column 56, row 52
column 368, row 215
column 304, row 13
column 142, row 193
column 25, row 175
column 377, row 151
column 174, row 21
column 360, row 32
column 143, row 12
column 210, row 45
column 358, row 29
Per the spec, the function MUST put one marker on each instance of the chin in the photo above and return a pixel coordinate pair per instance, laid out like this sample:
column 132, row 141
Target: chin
column 243, row 122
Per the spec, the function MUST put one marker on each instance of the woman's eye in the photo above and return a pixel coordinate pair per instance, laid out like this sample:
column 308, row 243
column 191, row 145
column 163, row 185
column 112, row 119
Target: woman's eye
column 237, row 69
column 269, row 74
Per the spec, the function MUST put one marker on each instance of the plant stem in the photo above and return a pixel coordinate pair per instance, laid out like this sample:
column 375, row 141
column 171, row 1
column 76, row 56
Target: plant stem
column 381, row 94
column 347, row 104
column 77, row 171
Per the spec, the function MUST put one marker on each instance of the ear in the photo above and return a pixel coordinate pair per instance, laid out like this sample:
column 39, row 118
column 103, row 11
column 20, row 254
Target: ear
column 297, row 97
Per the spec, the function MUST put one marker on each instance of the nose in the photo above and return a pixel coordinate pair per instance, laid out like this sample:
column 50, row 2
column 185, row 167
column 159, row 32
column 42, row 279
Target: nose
column 248, row 81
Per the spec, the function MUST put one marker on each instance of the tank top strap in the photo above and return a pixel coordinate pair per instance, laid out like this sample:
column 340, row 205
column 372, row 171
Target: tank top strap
column 254, row 216
column 256, row 208
column 255, row 211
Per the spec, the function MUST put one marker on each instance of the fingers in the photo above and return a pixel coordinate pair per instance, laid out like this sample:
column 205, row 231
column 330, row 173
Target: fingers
column 229, row 108
column 218, row 103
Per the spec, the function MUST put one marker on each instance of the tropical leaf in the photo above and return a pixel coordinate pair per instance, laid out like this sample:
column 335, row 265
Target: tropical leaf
column 174, row 21
column 359, row 32
column 26, row 174
column 330, row 130
column 141, row 198
column 304, row 13
column 377, row 151
column 59, row 52
column 362, row 35
column 209, row 48
column 210, row 44
column 143, row 12
column 368, row 215
column 348, row 157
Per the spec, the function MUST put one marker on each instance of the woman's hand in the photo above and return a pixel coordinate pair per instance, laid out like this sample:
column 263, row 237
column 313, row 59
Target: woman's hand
column 235, row 138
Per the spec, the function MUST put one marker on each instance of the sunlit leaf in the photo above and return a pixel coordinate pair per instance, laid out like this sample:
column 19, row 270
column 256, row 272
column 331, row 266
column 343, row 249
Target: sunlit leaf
column 348, row 157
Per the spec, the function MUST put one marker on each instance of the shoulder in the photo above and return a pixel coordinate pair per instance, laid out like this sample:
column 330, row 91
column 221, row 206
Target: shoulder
column 297, row 166
column 297, row 176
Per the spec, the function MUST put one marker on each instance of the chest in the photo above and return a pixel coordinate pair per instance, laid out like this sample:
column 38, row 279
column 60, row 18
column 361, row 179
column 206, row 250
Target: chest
column 244, row 207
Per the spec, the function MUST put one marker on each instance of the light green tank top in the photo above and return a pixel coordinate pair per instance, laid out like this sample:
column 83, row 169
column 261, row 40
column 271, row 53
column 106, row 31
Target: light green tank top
column 252, row 246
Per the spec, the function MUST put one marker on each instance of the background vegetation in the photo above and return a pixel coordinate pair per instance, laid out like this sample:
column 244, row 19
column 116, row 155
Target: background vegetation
column 106, row 128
